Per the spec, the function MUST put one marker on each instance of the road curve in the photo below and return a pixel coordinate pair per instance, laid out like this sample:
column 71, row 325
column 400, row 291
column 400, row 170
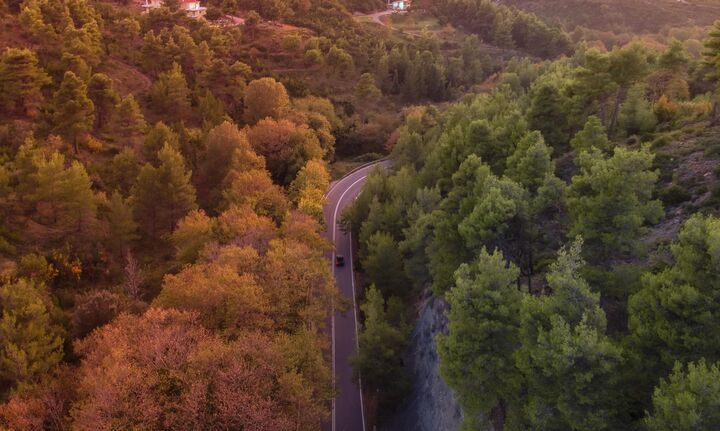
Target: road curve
column 376, row 17
column 347, row 408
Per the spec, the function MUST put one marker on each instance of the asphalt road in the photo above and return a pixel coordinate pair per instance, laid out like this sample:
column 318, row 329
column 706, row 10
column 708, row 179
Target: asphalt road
column 347, row 408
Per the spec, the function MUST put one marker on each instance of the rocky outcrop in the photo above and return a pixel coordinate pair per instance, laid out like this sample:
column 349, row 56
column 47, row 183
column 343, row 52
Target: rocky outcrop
column 431, row 404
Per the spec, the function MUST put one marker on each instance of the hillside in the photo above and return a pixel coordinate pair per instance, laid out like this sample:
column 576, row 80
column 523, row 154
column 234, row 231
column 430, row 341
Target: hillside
column 559, row 233
column 290, row 215
column 620, row 16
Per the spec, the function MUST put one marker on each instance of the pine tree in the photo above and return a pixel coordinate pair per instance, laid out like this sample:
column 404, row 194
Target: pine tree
column 128, row 121
column 64, row 202
column 220, row 145
column 569, row 363
column 170, row 93
column 73, row 112
column 21, row 81
column 163, row 195
column 531, row 163
column 548, row 115
column 101, row 92
column 124, row 169
column 593, row 135
column 155, row 140
column 383, row 266
column 688, row 399
column 610, row 201
column 676, row 315
column 366, row 89
column 476, row 357
column 32, row 342
column 381, row 343
column 636, row 114
column 122, row 227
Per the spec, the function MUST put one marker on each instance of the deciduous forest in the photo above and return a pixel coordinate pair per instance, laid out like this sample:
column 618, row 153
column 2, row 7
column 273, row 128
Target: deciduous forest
column 551, row 179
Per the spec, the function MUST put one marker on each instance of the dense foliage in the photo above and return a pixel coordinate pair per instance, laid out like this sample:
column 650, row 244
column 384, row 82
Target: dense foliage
column 536, row 211
column 161, row 258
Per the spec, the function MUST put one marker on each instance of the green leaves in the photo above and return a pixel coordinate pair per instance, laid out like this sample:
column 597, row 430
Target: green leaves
column 677, row 313
column 32, row 342
column 477, row 354
column 610, row 201
column 688, row 400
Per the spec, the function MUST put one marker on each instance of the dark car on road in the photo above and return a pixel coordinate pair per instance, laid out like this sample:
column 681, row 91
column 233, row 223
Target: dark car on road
column 339, row 260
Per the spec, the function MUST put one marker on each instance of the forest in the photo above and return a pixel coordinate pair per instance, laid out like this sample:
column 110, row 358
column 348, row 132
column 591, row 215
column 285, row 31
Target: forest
column 164, row 252
column 570, row 220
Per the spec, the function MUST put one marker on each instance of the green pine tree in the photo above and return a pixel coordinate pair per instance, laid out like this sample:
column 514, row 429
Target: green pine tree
column 593, row 135
column 105, row 98
column 21, row 81
column 121, row 224
column 162, row 195
column 73, row 113
column 476, row 357
column 128, row 121
column 170, row 93
column 32, row 341
column 687, row 400
column 548, row 114
column 531, row 163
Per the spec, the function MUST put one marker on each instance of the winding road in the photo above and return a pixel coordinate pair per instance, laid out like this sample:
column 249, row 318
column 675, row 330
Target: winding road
column 347, row 408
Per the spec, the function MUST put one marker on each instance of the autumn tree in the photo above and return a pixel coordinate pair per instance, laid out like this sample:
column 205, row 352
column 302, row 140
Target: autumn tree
column 285, row 146
column 73, row 113
column 193, row 232
column 240, row 225
column 309, row 187
column 265, row 98
column 249, row 183
column 162, row 195
column 298, row 294
column 249, row 375
column 32, row 339
column 21, row 81
column 224, row 300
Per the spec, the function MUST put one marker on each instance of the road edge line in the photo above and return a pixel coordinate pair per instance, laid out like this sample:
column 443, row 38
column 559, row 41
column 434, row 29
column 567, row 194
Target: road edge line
column 332, row 321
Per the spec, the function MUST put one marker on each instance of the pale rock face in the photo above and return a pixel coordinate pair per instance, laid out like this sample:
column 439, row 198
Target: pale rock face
column 431, row 404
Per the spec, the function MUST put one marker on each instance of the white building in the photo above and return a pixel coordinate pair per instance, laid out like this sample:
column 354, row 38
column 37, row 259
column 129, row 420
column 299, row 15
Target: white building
column 191, row 7
column 399, row 5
